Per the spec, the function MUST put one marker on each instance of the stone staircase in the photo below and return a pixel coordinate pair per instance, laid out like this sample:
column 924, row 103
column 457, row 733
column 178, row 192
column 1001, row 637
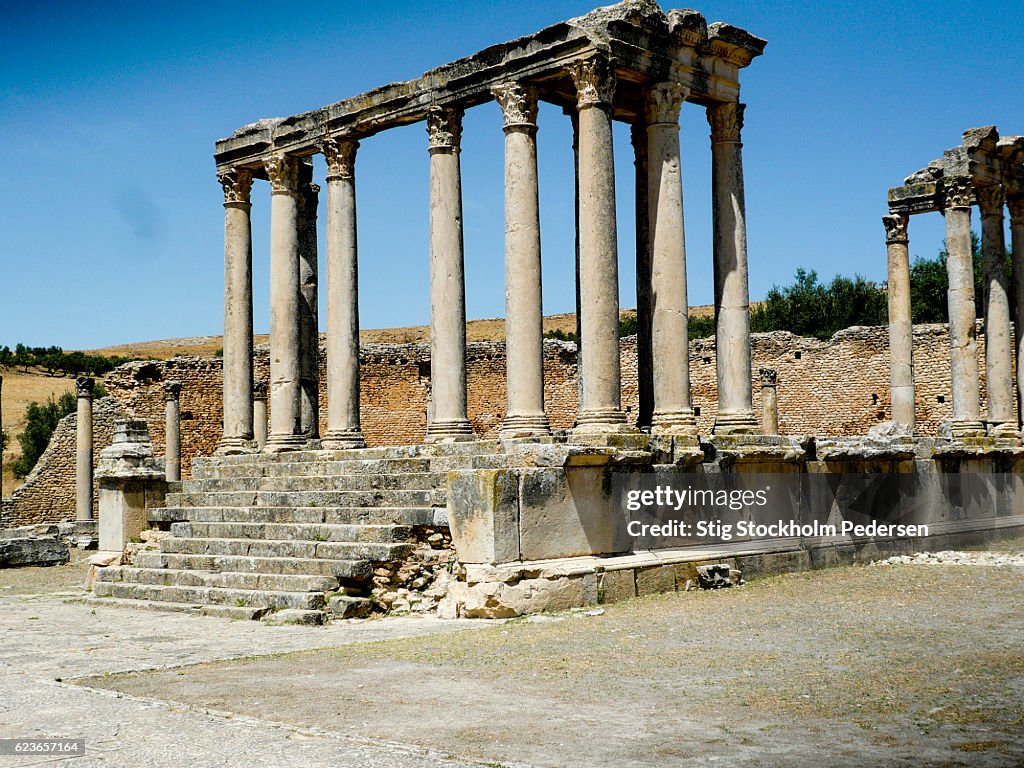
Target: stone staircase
column 291, row 536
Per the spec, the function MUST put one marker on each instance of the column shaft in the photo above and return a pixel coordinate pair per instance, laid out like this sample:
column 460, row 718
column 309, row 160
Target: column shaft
column 172, row 431
column 237, row 343
column 673, row 412
column 1016, row 206
column 963, row 343
column 998, row 322
column 309, row 326
column 769, row 401
column 732, row 298
column 83, row 450
column 524, row 317
column 449, row 422
column 901, row 328
column 343, row 427
column 285, row 331
column 600, row 411
column 259, row 413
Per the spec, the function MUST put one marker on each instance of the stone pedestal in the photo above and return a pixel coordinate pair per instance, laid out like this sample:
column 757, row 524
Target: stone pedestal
column 130, row 481
column 901, row 327
column 172, row 453
column 83, row 450
column 238, row 339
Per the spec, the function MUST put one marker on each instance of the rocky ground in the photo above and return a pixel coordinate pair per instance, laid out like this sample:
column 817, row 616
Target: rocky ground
column 910, row 665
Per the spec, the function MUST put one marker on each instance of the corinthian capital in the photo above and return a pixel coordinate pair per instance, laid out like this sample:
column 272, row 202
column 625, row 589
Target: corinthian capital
column 895, row 228
column 444, row 127
column 237, row 183
column 595, row 82
column 958, row 191
column 726, row 121
column 664, row 100
column 172, row 391
column 84, row 386
column 518, row 104
column 1016, row 206
column 990, row 200
column 340, row 154
column 283, row 172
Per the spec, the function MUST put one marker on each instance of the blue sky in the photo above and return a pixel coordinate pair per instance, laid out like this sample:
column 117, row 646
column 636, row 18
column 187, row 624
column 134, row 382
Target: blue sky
column 110, row 214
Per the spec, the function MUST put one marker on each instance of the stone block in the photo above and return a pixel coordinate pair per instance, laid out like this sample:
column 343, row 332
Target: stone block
column 483, row 513
column 655, row 580
column 617, row 586
column 498, row 600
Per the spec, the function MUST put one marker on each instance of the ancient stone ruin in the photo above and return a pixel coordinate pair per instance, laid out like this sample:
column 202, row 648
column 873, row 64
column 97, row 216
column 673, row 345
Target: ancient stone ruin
column 287, row 524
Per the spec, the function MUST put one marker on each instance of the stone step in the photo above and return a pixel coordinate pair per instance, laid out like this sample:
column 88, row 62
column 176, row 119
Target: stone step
column 247, row 613
column 268, row 582
column 293, row 532
column 330, row 550
column 381, row 452
column 300, row 498
column 311, row 515
column 301, row 469
column 345, row 571
column 333, row 482
column 240, row 598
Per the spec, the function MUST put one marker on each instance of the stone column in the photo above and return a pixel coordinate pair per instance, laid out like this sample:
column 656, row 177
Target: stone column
column 732, row 299
column 1002, row 421
column 172, row 416
column 309, row 327
column 1016, row 206
column 644, row 354
column 259, row 411
column 83, row 450
column 449, row 422
column 901, row 327
column 285, row 324
column 673, row 412
column 524, row 316
column 601, row 407
column 963, row 342
column 237, row 358
column 343, row 427
column 769, row 401
column 574, row 119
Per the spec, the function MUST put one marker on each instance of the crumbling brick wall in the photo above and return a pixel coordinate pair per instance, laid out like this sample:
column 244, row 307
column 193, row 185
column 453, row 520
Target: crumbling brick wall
column 835, row 387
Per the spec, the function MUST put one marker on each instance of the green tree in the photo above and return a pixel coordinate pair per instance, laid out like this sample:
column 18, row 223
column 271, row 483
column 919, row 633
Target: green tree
column 929, row 282
column 40, row 423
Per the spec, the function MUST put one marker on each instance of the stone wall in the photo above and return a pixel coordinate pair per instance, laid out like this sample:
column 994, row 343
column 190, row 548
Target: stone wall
column 835, row 387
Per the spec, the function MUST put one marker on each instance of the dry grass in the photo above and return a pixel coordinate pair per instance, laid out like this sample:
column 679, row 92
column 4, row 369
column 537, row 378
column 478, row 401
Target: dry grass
column 19, row 390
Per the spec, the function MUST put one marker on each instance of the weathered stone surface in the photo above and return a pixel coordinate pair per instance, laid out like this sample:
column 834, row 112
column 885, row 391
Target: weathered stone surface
column 496, row 600
column 17, row 551
column 484, row 515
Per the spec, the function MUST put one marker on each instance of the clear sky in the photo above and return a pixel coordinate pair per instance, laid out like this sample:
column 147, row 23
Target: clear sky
column 110, row 213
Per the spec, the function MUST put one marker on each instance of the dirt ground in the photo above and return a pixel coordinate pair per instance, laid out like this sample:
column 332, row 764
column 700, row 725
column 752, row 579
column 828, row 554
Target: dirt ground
column 863, row 666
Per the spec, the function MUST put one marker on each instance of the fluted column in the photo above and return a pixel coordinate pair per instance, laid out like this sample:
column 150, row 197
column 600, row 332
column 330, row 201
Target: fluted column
column 601, row 407
column 732, row 296
column 1002, row 421
column 309, row 327
column 963, row 342
column 449, row 421
column 237, row 360
column 285, row 323
column 83, row 449
column 901, row 327
column 259, row 413
column 1016, row 206
column 673, row 412
column 343, row 428
column 172, row 430
column 524, row 316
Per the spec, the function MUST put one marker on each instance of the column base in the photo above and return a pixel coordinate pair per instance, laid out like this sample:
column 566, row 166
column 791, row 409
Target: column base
column 737, row 423
column 283, row 443
column 1003, row 429
column 449, row 431
column 524, row 426
column 957, row 429
column 681, row 422
column 611, row 421
column 234, row 446
column 343, row 439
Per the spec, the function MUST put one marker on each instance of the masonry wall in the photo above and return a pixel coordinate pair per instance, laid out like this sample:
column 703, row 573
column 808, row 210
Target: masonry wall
column 835, row 387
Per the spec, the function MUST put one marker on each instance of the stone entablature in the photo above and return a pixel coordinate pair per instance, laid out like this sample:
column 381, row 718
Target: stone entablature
column 646, row 44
